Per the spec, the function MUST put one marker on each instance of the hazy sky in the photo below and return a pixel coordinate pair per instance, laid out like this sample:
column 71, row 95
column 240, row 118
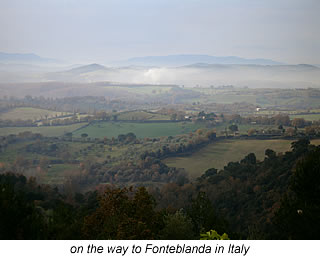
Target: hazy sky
column 107, row 30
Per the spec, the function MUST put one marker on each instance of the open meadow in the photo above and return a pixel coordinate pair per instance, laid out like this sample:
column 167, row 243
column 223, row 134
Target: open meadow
column 44, row 130
column 29, row 113
column 219, row 154
column 141, row 130
column 308, row 117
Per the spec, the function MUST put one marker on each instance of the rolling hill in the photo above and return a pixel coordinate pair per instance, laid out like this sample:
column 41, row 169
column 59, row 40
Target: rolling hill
column 87, row 68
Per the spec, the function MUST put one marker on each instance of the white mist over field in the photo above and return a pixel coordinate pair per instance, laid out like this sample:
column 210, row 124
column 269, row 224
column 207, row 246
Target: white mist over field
column 198, row 75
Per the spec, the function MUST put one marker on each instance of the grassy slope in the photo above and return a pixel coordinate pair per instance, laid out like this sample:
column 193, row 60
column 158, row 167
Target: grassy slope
column 141, row 130
column 26, row 113
column 309, row 117
column 217, row 155
column 44, row 130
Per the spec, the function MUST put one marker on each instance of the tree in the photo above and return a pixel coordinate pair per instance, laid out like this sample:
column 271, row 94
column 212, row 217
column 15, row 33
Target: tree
column 252, row 132
column 177, row 226
column 121, row 138
column 282, row 120
column 173, row 117
column 203, row 215
column 300, row 146
column 19, row 218
column 290, row 131
column 202, row 114
column 69, row 135
column 270, row 153
column 210, row 172
column 299, row 214
column 130, row 137
column 298, row 122
column 213, row 235
column 312, row 130
column 119, row 216
column 211, row 135
column 84, row 135
column 199, row 131
column 233, row 128
column 249, row 159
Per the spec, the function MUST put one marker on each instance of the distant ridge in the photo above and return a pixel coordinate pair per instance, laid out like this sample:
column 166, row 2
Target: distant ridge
column 24, row 58
column 88, row 68
column 308, row 66
column 300, row 67
column 187, row 59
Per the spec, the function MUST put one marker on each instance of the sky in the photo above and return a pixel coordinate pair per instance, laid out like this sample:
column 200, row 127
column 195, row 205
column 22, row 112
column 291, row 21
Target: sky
column 111, row 30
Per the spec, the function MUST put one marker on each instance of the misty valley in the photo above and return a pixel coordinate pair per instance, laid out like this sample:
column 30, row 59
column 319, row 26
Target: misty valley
column 159, row 149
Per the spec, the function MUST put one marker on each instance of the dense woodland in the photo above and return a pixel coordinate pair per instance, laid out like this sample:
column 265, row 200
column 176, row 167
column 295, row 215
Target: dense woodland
column 273, row 199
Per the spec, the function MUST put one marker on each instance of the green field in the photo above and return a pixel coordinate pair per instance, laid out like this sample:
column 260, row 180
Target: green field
column 26, row 113
column 141, row 130
column 44, row 130
column 309, row 117
column 230, row 98
column 217, row 155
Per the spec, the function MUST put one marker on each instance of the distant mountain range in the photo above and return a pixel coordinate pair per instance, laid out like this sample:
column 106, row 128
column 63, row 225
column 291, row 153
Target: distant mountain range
column 187, row 70
column 252, row 75
column 187, row 59
column 28, row 58
column 298, row 67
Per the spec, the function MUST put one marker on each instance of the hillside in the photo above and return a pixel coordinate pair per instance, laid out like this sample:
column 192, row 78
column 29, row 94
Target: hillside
column 87, row 68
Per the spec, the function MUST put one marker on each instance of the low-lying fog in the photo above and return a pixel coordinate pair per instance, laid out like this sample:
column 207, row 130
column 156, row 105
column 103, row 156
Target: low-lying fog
column 204, row 75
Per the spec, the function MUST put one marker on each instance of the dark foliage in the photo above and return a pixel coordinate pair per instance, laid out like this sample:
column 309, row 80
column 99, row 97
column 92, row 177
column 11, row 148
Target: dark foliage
column 277, row 198
column 299, row 214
